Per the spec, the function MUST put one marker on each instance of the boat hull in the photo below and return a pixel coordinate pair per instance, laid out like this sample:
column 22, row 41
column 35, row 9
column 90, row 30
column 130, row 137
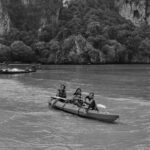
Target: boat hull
column 14, row 72
column 91, row 114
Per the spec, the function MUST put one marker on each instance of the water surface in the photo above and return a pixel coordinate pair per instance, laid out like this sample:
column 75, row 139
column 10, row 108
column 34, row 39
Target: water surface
column 27, row 123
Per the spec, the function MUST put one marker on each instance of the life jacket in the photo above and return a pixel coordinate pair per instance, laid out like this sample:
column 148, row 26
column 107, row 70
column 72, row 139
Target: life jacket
column 62, row 93
column 93, row 104
column 77, row 96
column 89, row 98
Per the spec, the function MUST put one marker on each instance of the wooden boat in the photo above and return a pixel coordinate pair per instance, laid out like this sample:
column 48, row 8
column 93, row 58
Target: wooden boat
column 73, row 109
column 16, row 71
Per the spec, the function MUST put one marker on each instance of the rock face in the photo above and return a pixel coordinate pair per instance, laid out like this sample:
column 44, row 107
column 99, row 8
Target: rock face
column 47, row 11
column 137, row 11
column 4, row 19
column 42, row 12
column 28, row 2
column 77, row 50
column 148, row 11
column 66, row 3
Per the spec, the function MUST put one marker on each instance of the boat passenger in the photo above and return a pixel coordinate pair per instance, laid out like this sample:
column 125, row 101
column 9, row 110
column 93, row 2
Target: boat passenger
column 77, row 97
column 33, row 68
column 27, row 69
column 62, row 91
column 89, row 100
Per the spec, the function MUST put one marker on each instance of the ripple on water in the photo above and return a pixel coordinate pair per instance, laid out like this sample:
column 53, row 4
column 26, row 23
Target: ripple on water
column 16, row 91
column 58, row 148
column 140, row 147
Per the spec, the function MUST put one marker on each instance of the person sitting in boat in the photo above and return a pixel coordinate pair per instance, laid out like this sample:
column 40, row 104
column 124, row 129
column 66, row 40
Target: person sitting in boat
column 33, row 68
column 62, row 92
column 27, row 69
column 89, row 100
column 77, row 98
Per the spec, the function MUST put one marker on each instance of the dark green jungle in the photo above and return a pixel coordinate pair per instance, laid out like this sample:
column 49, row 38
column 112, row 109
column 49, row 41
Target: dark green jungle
column 81, row 32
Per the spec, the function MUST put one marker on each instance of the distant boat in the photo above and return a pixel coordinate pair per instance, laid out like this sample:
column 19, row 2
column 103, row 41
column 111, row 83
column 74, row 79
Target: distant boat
column 16, row 70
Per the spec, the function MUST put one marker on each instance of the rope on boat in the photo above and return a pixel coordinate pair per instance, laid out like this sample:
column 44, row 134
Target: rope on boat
column 64, row 105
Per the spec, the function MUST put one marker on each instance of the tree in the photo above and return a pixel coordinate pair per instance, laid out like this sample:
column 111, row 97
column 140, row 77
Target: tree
column 75, row 25
column 5, row 53
column 47, row 32
column 123, row 35
column 132, row 44
column 21, row 52
column 144, row 48
column 55, row 48
column 97, row 41
column 112, row 32
column 28, row 37
column 94, row 28
column 54, row 45
column 114, row 52
column 12, row 35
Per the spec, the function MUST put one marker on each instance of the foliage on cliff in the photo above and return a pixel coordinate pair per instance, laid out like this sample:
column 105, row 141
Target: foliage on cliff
column 87, row 31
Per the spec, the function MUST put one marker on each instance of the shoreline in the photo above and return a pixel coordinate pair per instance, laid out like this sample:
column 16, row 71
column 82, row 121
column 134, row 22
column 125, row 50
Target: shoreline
column 39, row 65
column 140, row 63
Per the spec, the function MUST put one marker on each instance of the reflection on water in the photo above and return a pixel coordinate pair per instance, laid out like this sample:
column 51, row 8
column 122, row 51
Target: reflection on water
column 27, row 123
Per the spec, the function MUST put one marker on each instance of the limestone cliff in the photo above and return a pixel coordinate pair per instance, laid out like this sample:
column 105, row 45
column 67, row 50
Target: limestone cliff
column 4, row 19
column 36, row 13
column 137, row 11
column 148, row 11
column 66, row 3
column 28, row 2
column 42, row 12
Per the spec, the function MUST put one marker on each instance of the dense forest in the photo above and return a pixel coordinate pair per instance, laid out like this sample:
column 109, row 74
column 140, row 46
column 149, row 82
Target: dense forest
column 82, row 32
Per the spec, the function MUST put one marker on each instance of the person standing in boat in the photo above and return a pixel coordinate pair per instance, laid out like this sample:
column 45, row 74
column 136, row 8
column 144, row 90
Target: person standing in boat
column 62, row 91
column 89, row 100
column 77, row 97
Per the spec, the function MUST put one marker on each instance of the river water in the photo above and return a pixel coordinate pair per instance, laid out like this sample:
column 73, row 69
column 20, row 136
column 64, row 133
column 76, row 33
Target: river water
column 26, row 123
